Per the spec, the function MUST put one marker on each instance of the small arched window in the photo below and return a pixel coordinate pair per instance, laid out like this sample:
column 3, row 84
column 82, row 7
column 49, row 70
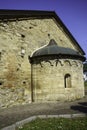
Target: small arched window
column 67, row 81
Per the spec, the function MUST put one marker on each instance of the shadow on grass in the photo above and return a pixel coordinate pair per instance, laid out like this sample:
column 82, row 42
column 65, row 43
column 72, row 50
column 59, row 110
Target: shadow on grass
column 81, row 107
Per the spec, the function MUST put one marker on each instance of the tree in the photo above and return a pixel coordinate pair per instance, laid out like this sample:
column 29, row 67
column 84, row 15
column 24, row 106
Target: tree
column 85, row 67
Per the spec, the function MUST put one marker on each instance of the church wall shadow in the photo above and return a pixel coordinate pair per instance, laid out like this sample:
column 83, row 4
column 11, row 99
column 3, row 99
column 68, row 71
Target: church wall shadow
column 81, row 107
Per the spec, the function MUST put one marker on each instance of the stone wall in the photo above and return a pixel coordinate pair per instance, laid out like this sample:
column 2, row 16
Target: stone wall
column 49, row 80
column 18, row 39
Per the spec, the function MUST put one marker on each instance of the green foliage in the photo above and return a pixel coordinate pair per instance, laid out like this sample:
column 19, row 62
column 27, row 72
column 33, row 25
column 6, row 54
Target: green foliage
column 85, row 83
column 85, row 67
column 57, row 124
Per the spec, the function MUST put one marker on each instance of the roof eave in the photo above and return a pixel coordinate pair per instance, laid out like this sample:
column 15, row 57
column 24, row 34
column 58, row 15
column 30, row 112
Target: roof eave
column 24, row 13
column 56, row 56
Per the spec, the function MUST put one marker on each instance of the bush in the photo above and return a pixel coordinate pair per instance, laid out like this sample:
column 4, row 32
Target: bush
column 85, row 83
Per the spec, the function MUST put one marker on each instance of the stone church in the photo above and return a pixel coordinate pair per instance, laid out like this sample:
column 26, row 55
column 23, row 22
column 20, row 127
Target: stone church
column 40, row 60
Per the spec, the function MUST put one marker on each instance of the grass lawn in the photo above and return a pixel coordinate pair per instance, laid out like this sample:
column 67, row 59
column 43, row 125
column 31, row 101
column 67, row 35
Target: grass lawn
column 56, row 124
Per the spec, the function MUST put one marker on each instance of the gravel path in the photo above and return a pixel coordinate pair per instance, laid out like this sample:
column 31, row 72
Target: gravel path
column 11, row 115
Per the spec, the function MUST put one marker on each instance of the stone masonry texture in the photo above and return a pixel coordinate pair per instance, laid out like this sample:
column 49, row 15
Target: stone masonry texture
column 18, row 40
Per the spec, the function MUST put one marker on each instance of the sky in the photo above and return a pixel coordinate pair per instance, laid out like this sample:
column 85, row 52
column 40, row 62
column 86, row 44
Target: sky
column 73, row 13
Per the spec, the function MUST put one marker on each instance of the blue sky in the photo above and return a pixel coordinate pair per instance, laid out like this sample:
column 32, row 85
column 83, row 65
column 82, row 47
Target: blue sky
column 72, row 12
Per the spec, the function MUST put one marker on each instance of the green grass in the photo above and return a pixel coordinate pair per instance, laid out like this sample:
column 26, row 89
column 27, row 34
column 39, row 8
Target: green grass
column 56, row 124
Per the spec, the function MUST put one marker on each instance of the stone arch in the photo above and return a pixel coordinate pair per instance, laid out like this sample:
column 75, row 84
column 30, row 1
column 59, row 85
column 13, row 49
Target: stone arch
column 67, row 80
column 74, row 63
column 80, row 64
column 67, row 63
column 58, row 62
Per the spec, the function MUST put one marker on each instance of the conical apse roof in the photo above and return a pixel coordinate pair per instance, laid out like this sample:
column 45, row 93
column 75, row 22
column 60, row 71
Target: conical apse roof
column 53, row 49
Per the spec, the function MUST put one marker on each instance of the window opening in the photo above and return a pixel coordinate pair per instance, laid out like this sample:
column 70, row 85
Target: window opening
column 67, row 80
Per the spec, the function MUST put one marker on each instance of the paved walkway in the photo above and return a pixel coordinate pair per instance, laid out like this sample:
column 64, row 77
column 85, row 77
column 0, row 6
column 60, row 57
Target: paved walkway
column 11, row 115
